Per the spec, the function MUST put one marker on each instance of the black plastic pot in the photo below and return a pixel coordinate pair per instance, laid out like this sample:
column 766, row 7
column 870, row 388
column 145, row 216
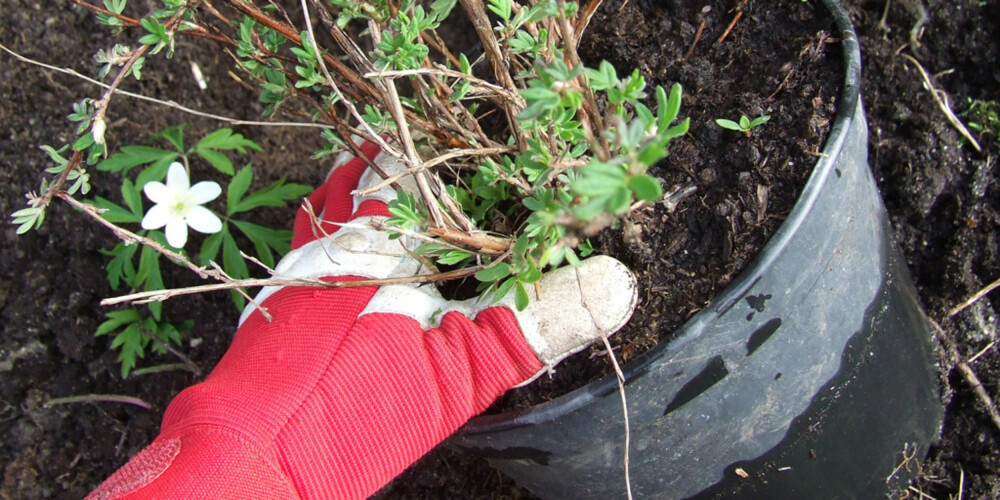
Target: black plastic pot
column 811, row 375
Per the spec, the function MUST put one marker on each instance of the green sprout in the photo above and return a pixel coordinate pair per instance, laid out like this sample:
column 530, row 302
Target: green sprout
column 745, row 124
column 983, row 118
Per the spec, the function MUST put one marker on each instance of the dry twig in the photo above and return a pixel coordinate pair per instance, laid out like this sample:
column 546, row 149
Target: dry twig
column 620, row 377
column 969, row 375
column 169, row 104
column 941, row 98
column 161, row 295
column 975, row 297
column 98, row 398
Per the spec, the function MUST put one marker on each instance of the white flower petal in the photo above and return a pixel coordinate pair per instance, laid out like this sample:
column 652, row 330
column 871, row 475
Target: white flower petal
column 157, row 192
column 177, row 178
column 177, row 233
column 204, row 192
column 203, row 220
column 157, row 217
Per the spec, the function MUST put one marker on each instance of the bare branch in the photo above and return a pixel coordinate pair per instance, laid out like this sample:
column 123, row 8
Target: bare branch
column 98, row 398
column 396, row 110
column 129, row 237
column 501, row 67
column 941, row 98
column 162, row 295
column 455, row 153
column 169, row 104
column 476, row 82
column 372, row 135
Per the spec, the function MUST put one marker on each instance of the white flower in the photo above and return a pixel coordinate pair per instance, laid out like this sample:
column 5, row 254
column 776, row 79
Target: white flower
column 178, row 205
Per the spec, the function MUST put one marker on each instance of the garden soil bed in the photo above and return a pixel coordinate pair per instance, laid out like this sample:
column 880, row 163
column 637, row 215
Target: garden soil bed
column 942, row 197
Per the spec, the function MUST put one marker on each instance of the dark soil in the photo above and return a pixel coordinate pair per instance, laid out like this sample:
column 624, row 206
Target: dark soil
column 780, row 63
column 941, row 195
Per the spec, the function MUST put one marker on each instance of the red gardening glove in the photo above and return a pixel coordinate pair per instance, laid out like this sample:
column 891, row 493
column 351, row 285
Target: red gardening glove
column 347, row 387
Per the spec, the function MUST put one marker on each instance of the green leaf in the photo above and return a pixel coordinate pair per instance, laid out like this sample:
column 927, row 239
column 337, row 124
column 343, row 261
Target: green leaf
column 589, row 209
column 531, row 275
column 168, row 333
column 619, row 201
column 605, row 77
column 667, row 108
column 28, row 218
column 154, row 172
column 116, row 214
column 503, row 289
column 494, row 273
column 120, row 266
column 645, row 187
column 132, row 197
column 501, row 8
column 116, row 320
column 149, row 273
column 442, row 8
column 452, row 257
column 234, row 264
column 729, row 124
column 521, row 297
column 760, row 120
column 744, row 123
column 571, row 257
column 226, row 139
column 132, row 156
column 539, row 101
column 174, row 135
column 210, row 248
column 223, row 139
column 130, row 342
column 221, row 162
column 265, row 239
column 55, row 154
column 275, row 195
column 653, row 151
column 84, row 142
column 116, row 6
column 237, row 188
column 157, row 32
column 677, row 130
column 598, row 178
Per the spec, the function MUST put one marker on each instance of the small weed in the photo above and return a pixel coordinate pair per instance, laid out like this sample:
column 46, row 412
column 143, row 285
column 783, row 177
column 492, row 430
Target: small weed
column 745, row 124
column 983, row 118
column 134, row 267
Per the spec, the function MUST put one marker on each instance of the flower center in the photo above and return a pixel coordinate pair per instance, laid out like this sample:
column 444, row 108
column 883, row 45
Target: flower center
column 180, row 206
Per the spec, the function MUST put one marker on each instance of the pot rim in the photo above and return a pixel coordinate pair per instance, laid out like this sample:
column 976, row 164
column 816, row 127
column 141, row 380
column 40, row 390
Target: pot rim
column 850, row 97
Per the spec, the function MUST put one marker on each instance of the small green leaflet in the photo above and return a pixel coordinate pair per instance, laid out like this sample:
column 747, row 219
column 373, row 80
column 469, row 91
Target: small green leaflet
column 223, row 139
column 494, row 273
column 234, row 264
column 275, row 195
column 265, row 239
column 133, row 156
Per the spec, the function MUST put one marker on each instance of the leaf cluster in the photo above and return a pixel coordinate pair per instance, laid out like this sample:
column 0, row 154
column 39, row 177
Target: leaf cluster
column 134, row 333
column 135, row 267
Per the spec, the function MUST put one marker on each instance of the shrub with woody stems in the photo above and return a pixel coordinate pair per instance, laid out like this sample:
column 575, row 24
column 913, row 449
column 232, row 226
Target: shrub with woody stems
column 520, row 153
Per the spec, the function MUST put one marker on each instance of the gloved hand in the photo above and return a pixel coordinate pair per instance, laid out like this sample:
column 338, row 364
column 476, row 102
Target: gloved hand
column 346, row 387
